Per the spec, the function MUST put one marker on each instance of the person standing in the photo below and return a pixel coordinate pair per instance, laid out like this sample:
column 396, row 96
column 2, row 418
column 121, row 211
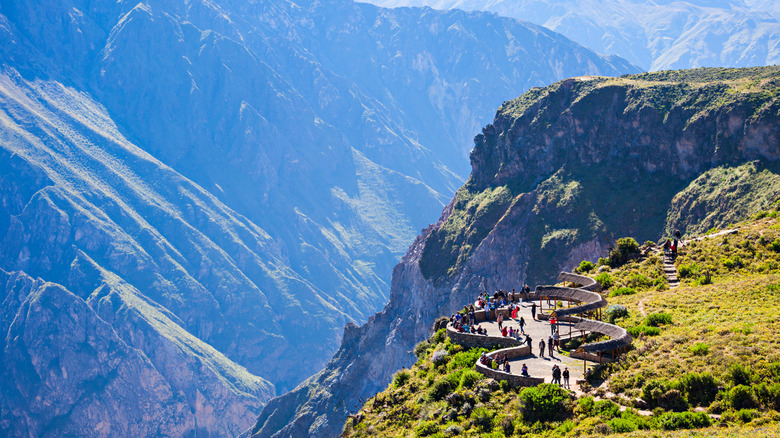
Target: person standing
column 522, row 325
column 566, row 377
column 557, row 341
column 533, row 311
column 556, row 374
column 500, row 320
column 528, row 341
column 550, row 346
column 541, row 348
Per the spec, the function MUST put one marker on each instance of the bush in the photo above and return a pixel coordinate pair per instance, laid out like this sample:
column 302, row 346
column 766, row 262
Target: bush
column 700, row 349
column 699, row 389
column 639, row 280
column 620, row 425
column 426, row 428
column 401, row 378
column 483, row 419
column 627, row 247
column 615, row 312
column 688, row 270
column 622, row 291
column 739, row 375
column 742, row 397
column 606, row 409
column 465, row 359
column 643, row 329
column 768, row 395
column 775, row 245
column 656, row 319
column 439, row 390
column 673, row 400
column 469, row 378
column 684, row 420
column 508, row 426
column 605, row 280
column 439, row 357
column 585, row 266
column 546, row 402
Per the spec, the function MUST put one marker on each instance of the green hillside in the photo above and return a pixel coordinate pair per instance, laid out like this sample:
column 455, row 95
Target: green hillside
column 705, row 359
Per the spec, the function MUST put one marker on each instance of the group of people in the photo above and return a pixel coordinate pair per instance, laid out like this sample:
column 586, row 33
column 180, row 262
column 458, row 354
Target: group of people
column 500, row 360
column 670, row 247
column 556, row 376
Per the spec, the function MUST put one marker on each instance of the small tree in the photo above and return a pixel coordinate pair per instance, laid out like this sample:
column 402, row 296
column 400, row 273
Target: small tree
column 546, row 402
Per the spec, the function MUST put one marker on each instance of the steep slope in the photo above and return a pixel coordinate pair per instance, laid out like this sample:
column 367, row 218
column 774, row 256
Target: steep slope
column 710, row 344
column 560, row 172
column 655, row 35
column 330, row 131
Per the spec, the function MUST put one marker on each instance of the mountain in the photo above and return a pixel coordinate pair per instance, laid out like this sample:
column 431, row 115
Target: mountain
column 704, row 361
column 560, row 172
column 655, row 35
column 215, row 188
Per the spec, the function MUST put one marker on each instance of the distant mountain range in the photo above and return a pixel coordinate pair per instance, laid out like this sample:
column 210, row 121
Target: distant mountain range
column 199, row 195
column 653, row 34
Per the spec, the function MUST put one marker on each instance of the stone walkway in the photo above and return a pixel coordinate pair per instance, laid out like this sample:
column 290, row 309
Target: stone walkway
column 538, row 366
column 670, row 270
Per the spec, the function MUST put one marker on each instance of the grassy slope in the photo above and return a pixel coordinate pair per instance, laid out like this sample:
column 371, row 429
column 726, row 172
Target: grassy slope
column 733, row 320
column 599, row 192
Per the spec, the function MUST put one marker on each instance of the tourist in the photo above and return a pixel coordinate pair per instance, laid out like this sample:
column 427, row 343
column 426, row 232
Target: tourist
column 500, row 319
column 541, row 348
column 556, row 374
column 566, row 377
column 553, row 323
column 524, row 371
column 550, row 345
column 667, row 246
column 557, row 341
column 506, row 367
column 522, row 325
column 528, row 341
column 503, row 332
column 533, row 311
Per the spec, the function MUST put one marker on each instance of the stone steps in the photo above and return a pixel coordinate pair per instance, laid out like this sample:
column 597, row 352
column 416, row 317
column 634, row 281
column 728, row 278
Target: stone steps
column 671, row 272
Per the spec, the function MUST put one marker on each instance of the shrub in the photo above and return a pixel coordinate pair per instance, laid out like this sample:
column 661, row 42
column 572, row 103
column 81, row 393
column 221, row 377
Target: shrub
column 699, row 389
column 673, row 400
column 453, row 430
column 656, row 319
column 483, row 418
column 620, row 425
column 616, row 311
column 546, row 402
column 606, row 409
column 439, row 357
column 469, row 378
column 439, row 390
column 426, row 428
column 465, row 359
column 688, row 270
column 584, row 406
column 700, row 349
column 605, row 280
column 768, row 395
column 643, row 329
column 585, row 266
column 508, row 426
column 775, row 245
column 440, row 335
column 639, row 280
column 731, row 263
column 627, row 247
column 684, row 420
column 401, row 378
column 622, row 291
column 742, row 397
column 739, row 375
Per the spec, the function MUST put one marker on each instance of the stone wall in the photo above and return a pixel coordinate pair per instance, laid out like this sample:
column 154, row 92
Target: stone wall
column 470, row 340
column 513, row 379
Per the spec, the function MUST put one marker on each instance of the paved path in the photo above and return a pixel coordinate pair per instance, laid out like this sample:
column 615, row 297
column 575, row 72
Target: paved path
column 538, row 366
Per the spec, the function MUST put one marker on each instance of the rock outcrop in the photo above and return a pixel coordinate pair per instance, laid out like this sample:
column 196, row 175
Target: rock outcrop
column 560, row 173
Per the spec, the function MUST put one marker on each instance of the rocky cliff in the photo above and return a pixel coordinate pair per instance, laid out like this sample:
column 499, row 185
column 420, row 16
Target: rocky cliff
column 560, row 173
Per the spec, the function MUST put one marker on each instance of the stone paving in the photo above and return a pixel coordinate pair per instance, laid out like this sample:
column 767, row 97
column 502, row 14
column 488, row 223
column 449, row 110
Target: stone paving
column 538, row 329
